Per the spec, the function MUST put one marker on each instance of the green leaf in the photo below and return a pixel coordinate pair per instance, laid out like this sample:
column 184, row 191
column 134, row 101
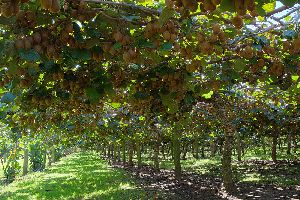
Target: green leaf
column 289, row 2
column 227, row 5
column 29, row 55
column 145, row 44
column 80, row 54
column 268, row 7
column 208, row 95
column 92, row 94
column 117, row 46
column 166, row 46
column 290, row 34
column 170, row 102
column 239, row 64
column 115, row 105
column 295, row 78
column 8, row 98
column 166, row 14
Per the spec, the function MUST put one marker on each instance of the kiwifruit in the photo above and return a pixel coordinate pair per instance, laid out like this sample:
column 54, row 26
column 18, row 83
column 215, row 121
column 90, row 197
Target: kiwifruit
column 69, row 27
column 240, row 7
column 46, row 4
column 27, row 44
column 250, row 5
column 55, row 6
column 45, row 35
column 37, row 38
column 260, row 62
column 237, row 21
column 167, row 35
column 6, row 10
column 50, row 51
column 118, row 36
column 38, row 48
column 208, row 5
column 19, row 44
column 216, row 28
column 216, row 2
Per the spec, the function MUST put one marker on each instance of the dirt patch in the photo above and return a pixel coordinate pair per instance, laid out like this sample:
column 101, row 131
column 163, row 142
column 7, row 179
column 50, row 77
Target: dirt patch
column 193, row 186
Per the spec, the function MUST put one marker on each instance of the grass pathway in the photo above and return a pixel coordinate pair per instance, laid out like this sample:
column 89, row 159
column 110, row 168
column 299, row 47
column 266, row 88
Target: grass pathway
column 77, row 176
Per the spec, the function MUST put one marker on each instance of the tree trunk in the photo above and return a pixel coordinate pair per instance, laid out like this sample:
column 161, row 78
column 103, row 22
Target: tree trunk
column 163, row 151
column 53, row 155
column 130, row 155
column 25, row 163
column 119, row 153
column 196, row 148
column 202, row 151
column 115, row 153
column 123, row 153
column 264, row 145
column 176, row 155
column 238, row 146
column 108, row 152
column 226, row 164
column 213, row 148
column 139, row 155
column 289, row 144
column 44, row 159
column 274, row 147
column 156, row 156
column 104, row 151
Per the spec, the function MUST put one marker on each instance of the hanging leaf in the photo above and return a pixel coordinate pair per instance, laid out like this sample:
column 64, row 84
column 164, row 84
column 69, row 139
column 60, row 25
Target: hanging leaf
column 92, row 94
column 166, row 14
column 8, row 98
column 227, row 5
column 29, row 55
column 289, row 2
column 166, row 46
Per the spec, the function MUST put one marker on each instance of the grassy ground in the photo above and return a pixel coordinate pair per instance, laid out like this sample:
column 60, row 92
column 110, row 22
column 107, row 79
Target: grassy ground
column 77, row 176
column 281, row 174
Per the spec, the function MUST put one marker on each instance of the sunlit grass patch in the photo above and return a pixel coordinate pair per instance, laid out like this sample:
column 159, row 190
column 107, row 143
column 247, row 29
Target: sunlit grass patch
column 78, row 176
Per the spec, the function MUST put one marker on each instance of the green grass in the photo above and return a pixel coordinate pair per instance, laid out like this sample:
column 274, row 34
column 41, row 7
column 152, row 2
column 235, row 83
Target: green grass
column 77, row 176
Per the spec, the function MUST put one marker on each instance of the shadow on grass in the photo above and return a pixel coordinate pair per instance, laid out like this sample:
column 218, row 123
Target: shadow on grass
column 78, row 176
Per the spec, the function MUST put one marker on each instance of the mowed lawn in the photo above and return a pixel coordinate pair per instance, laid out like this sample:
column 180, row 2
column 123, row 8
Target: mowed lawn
column 77, row 176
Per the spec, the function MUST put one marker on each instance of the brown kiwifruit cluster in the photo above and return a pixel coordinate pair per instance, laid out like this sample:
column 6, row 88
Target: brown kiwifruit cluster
column 41, row 102
column 248, row 52
column 237, row 22
column 173, row 81
column 109, row 49
column 292, row 46
column 10, row 7
column 97, row 56
column 26, row 19
column 58, row 76
column 65, row 36
column 130, row 56
column 41, row 43
column 123, row 39
column 242, row 6
column 168, row 31
column 192, row 5
column 277, row 68
column 51, row 5
column 255, row 68
column 267, row 49
column 193, row 66
column 82, row 12
column 187, row 52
